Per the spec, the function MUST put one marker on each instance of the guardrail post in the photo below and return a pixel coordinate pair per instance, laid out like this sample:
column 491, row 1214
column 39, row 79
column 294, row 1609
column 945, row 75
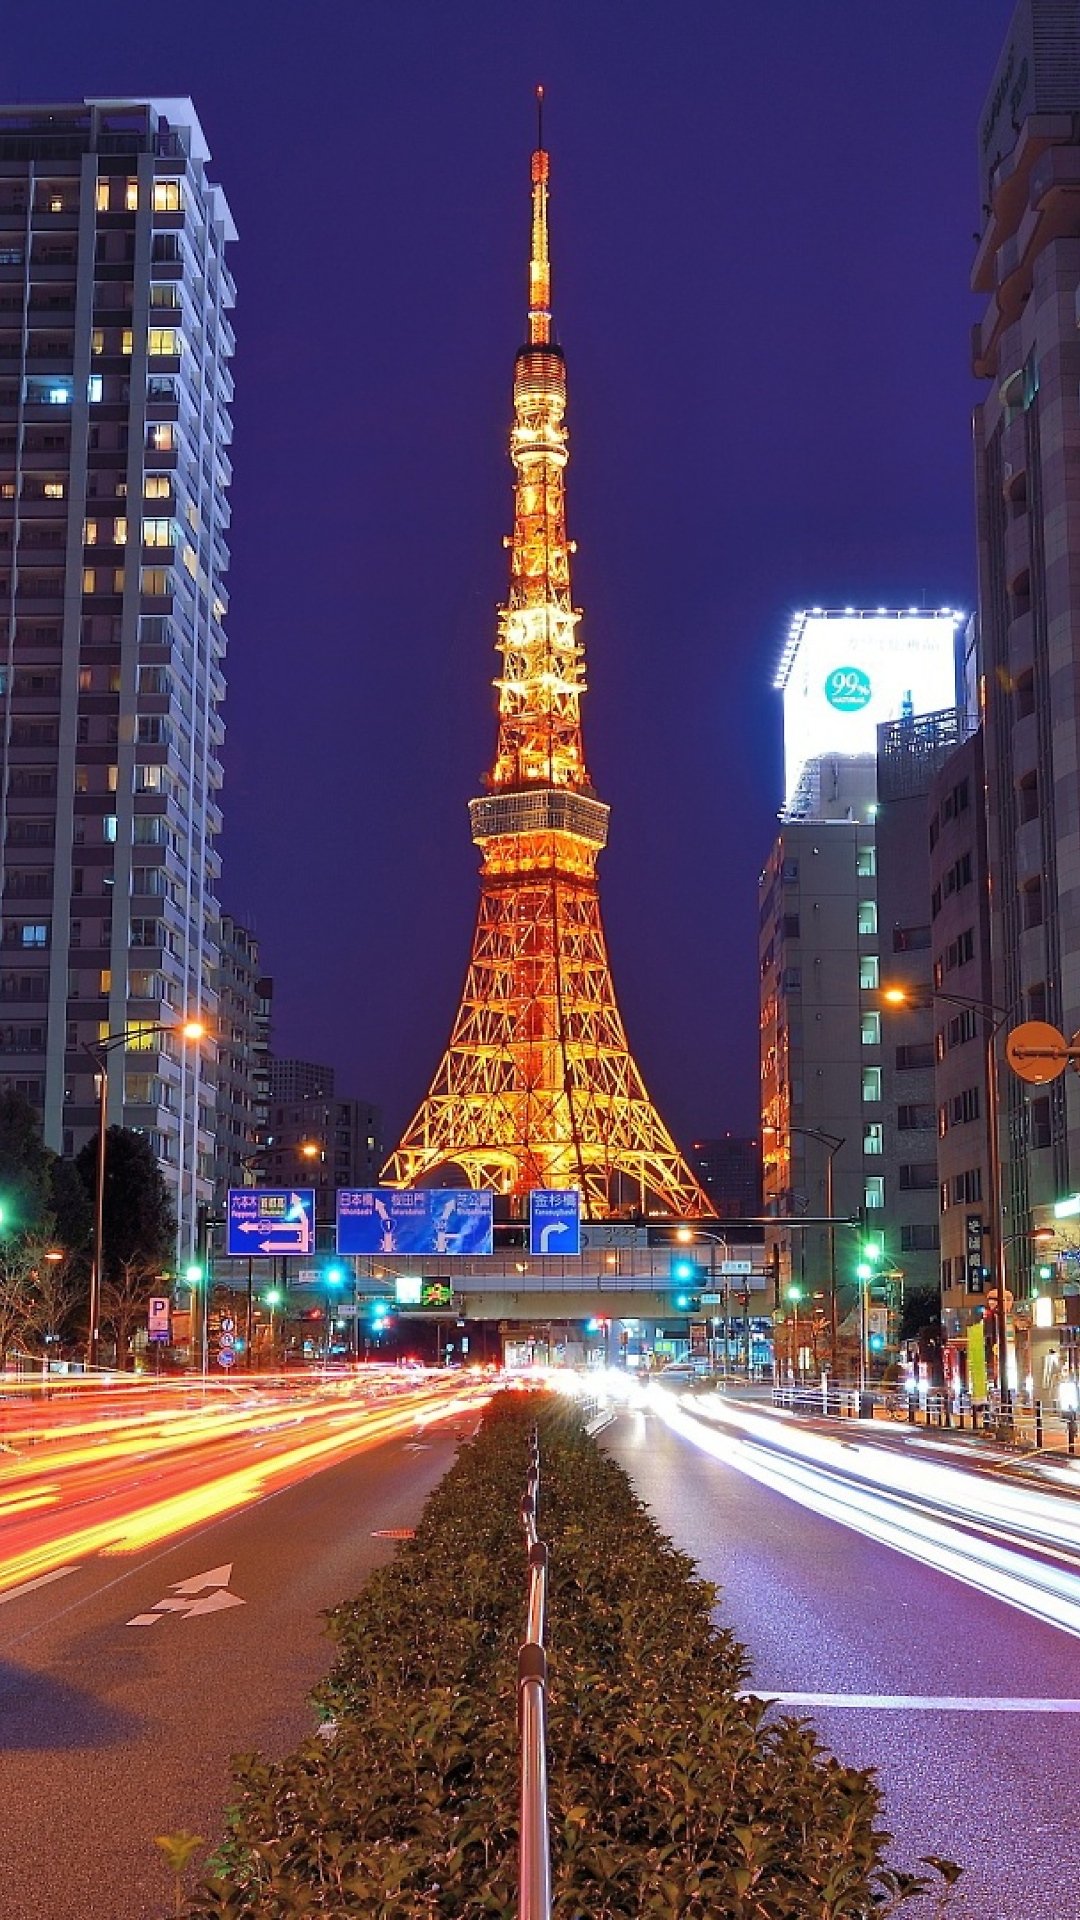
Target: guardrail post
column 1038, row 1424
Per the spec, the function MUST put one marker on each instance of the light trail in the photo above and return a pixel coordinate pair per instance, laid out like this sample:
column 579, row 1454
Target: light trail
column 199, row 1466
column 1015, row 1544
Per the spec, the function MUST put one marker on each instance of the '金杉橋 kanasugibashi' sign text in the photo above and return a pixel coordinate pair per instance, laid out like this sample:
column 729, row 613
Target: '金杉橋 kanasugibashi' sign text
column 555, row 1220
column 271, row 1220
column 414, row 1220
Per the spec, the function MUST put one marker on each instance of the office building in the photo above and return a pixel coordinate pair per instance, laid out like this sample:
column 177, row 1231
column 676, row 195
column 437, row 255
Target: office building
column 921, row 958
column 729, row 1169
column 114, row 471
column 832, row 1101
column 245, row 1004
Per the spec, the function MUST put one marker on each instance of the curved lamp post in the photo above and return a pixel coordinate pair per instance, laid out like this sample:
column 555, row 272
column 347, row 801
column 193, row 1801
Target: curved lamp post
column 832, row 1142
column 99, row 1051
column 996, row 1018
column 687, row 1236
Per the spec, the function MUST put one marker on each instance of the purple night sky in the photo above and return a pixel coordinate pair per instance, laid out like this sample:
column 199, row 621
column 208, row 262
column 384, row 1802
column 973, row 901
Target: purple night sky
column 762, row 229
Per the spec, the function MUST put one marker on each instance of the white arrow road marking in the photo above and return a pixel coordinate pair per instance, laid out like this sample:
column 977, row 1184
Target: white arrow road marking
column 181, row 1599
column 217, row 1577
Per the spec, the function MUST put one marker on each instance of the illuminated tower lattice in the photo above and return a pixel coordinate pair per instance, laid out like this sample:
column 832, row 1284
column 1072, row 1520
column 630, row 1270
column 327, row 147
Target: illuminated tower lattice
column 538, row 1087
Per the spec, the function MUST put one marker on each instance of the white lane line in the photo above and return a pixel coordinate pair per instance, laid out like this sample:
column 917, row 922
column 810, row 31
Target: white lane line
column 43, row 1580
column 911, row 1702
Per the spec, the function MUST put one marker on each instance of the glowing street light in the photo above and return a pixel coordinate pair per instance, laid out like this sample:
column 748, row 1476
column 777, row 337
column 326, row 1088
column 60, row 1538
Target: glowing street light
column 99, row 1051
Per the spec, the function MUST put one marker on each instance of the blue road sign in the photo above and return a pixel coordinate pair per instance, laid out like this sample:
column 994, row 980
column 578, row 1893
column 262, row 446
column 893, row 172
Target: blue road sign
column 271, row 1220
column 414, row 1220
column 555, row 1220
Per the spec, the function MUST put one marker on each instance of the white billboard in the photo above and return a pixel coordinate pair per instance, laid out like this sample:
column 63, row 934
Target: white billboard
column 844, row 673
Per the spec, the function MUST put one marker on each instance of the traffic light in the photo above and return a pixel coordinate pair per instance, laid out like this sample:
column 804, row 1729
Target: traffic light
column 335, row 1276
column 193, row 1275
column 684, row 1269
column 688, row 1302
column 877, row 1343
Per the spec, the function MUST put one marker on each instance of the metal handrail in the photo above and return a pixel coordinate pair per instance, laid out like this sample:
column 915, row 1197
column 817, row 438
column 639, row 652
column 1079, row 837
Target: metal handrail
column 534, row 1867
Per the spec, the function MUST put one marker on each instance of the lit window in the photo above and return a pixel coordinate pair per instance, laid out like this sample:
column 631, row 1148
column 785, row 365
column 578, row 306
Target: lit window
column 86, row 679
column 164, row 341
column 868, row 970
column 162, row 437
column 874, row 1190
column 144, row 1037
column 119, row 531
column 82, row 779
column 148, row 779
column 53, row 489
column 867, row 916
column 870, row 1029
column 865, row 862
column 118, row 580
column 94, row 389
column 871, row 1083
column 56, row 204
column 101, row 197
column 108, row 826
column 113, row 780
column 7, row 491
column 166, row 196
column 131, row 195
column 157, row 486
column 155, row 581
column 90, row 528
column 97, row 341
column 35, row 935
column 89, row 580
column 157, row 533
column 127, row 343
column 105, row 980
column 57, row 395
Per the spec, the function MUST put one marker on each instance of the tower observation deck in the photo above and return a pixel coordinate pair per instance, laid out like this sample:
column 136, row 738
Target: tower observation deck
column 538, row 1087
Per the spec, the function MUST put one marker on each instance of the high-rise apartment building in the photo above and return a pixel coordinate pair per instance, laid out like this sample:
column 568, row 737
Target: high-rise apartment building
column 114, row 471
column 245, row 1002
column 1027, row 429
column 729, row 1169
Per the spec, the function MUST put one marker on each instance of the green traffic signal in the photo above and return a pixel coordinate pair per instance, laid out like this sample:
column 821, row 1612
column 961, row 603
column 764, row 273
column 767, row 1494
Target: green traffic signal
column 193, row 1275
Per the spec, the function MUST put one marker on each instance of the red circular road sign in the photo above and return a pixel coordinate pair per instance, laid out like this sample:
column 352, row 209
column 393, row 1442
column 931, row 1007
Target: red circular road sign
column 1036, row 1052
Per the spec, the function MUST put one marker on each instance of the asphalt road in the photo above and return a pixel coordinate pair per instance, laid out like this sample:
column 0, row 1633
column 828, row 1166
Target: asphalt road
column 826, row 1611
column 112, row 1733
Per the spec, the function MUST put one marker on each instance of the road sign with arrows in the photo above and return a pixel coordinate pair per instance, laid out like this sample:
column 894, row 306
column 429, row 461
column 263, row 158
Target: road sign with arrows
column 271, row 1220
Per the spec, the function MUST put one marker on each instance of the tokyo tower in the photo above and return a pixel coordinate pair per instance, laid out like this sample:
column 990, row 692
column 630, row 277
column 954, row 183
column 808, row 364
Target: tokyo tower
column 538, row 1087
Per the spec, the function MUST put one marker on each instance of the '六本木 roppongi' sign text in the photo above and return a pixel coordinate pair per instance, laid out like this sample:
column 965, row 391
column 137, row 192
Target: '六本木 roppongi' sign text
column 846, row 674
column 414, row 1220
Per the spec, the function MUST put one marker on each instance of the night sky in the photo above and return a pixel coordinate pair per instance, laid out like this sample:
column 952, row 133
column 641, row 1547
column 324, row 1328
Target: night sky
column 762, row 222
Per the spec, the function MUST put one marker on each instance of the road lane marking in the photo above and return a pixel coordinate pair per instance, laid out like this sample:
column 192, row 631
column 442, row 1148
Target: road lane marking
column 182, row 1599
column 43, row 1580
column 912, row 1702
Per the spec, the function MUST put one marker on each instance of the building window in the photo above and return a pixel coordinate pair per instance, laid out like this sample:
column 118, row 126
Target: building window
column 918, row 1176
column 871, row 1083
column 965, row 1107
column 167, row 196
column 53, row 490
column 867, row 916
column 163, row 342
column 161, row 437
column 156, row 486
column 155, row 581
column 873, row 1140
column 916, row 1117
column 865, row 862
column 158, row 533
column 910, row 939
column 916, row 1237
column 870, row 1029
column 914, row 1054
column 35, row 934
column 874, row 1190
column 131, row 195
column 101, row 196
column 868, row 970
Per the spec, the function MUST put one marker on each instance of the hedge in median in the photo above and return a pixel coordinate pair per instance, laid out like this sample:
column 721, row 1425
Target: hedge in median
column 671, row 1796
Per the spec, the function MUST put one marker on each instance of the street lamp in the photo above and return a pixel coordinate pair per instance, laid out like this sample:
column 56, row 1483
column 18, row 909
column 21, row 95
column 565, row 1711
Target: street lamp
column 687, row 1235
column 794, row 1295
column 99, row 1051
column 996, row 1018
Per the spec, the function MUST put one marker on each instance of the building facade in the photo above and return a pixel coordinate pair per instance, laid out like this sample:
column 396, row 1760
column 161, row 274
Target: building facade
column 914, row 948
column 245, row 1005
column 729, row 1169
column 1027, row 428
column 114, row 472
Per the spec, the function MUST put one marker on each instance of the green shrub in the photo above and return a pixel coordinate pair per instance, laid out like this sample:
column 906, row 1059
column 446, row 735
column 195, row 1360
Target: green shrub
column 670, row 1795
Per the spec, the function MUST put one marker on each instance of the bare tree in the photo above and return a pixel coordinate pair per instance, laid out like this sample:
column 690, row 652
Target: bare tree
column 55, row 1287
column 124, row 1301
column 15, row 1294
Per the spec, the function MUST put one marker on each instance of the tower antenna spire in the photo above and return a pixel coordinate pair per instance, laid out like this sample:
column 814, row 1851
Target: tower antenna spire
column 539, row 259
